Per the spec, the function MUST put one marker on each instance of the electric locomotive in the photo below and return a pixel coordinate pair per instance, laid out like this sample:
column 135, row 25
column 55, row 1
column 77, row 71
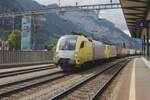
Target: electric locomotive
column 73, row 51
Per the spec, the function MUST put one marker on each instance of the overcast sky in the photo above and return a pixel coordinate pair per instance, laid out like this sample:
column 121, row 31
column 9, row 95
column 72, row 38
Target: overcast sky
column 115, row 15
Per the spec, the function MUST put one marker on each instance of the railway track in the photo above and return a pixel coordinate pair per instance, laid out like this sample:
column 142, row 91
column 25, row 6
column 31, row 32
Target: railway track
column 26, row 69
column 63, row 87
column 93, row 86
column 15, row 79
column 10, row 88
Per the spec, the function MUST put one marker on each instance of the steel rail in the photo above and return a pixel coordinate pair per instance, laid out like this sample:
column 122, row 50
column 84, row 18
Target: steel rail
column 10, row 88
column 24, row 71
column 15, row 65
column 104, row 87
column 71, row 89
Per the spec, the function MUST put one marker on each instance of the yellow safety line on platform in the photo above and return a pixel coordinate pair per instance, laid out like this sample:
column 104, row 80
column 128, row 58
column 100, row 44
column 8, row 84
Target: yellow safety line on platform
column 132, row 95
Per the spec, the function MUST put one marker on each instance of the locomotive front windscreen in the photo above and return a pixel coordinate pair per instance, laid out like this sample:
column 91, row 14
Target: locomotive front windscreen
column 68, row 43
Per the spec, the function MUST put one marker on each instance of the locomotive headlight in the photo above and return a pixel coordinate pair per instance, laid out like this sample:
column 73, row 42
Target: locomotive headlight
column 76, row 53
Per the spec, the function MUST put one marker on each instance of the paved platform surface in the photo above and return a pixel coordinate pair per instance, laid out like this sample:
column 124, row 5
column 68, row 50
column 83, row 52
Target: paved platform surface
column 134, row 83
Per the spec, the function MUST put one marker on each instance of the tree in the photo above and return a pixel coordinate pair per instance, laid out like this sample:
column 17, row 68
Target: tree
column 49, row 46
column 14, row 40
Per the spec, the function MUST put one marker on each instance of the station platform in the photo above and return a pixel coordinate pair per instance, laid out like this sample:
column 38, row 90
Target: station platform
column 134, row 81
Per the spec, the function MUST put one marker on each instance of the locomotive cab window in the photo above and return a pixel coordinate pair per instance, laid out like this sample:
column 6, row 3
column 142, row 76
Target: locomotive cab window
column 68, row 43
column 82, row 44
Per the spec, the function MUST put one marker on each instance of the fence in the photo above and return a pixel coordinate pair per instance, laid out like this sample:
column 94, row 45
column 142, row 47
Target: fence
column 19, row 57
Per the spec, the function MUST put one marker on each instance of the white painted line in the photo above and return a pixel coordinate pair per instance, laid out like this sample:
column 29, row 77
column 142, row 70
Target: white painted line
column 132, row 95
column 147, row 63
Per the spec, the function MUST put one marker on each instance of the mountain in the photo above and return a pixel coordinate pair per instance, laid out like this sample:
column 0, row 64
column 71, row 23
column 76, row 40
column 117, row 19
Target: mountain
column 101, row 29
column 9, row 6
column 51, row 26
column 29, row 5
column 6, row 24
column 54, row 26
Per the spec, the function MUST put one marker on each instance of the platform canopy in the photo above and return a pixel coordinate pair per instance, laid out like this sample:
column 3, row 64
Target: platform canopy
column 135, row 10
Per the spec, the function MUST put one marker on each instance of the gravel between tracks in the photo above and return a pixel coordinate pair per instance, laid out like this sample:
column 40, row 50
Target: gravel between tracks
column 63, row 85
column 113, row 89
column 23, row 95
column 7, row 70
column 52, row 88
column 12, row 79
column 88, row 90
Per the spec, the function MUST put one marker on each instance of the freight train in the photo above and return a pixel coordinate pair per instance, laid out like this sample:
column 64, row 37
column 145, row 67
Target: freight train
column 73, row 51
